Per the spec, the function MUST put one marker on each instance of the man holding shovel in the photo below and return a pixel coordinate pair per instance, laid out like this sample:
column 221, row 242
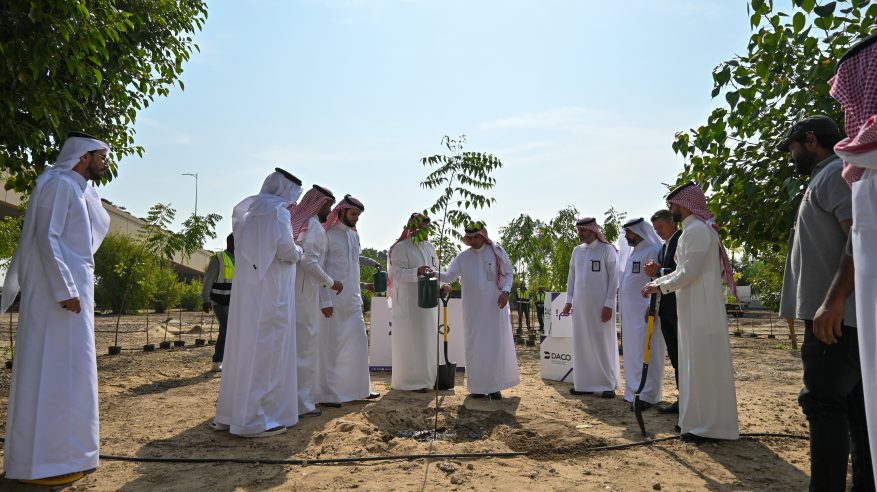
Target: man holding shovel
column 486, row 275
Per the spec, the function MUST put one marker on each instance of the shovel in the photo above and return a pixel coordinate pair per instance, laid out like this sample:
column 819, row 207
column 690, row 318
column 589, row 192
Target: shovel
column 654, row 306
column 446, row 372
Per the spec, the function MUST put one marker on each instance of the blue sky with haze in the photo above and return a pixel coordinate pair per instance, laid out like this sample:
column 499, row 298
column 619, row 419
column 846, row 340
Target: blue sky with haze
column 579, row 99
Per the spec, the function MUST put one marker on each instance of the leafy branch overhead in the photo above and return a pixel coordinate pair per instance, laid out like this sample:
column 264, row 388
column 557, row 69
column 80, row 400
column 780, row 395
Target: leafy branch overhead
column 76, row 65
column 462, row 178
column 782, row 78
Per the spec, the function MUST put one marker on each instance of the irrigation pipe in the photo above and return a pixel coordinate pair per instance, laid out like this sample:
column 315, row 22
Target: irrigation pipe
column 360, row 459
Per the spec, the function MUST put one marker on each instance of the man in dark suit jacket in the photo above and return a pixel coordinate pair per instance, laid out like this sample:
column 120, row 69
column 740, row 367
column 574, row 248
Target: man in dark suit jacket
column 667, row 228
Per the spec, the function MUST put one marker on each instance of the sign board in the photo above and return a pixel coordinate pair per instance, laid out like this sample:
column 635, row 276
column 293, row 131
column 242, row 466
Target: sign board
column 380, row 348
column 556, row 358
column 556, row 326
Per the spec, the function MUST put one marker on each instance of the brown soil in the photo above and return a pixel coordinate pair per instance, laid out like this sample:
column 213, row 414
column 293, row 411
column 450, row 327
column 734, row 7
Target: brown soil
column 160, row 404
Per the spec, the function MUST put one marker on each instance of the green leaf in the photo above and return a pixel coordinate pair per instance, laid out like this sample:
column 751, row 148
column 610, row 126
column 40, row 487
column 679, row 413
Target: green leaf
column 798, row 21
column 825, row 10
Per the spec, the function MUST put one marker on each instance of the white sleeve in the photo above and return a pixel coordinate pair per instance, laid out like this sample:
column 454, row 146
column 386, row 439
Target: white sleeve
column 571, row 277
column 690, row 264
column 612, row 271
column 51, row 215
column 311, row 261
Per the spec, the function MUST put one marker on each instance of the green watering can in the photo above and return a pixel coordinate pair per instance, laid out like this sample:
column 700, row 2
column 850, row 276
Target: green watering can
column 427, row 292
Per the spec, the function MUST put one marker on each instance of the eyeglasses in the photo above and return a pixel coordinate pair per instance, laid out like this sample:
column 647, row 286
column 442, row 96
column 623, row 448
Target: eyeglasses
column 104, row 157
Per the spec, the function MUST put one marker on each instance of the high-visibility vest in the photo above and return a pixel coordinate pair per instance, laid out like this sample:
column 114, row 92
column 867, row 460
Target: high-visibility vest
column 540, row 297
column 523, row 294
column 221, row 290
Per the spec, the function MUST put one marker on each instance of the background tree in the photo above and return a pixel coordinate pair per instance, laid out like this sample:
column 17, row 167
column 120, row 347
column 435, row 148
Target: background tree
column 780, row 79
column 612, row 224
column 85, row 65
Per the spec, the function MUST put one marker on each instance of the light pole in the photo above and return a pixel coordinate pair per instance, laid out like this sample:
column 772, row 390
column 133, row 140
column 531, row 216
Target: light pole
column 194, row 175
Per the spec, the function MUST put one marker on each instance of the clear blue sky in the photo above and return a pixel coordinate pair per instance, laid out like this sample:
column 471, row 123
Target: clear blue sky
column 580, row 99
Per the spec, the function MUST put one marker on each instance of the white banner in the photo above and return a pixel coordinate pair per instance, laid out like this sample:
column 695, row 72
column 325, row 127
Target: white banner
column 380, row 348
column 556, row 326
column 556, row 362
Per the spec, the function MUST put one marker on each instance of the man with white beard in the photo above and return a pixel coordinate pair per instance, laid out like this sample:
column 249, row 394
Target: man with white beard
column 258, row 391
column 486, row 276
column 52, row 427
column 642, row 246
column 591, row 286
column 307, row 226
column 342, row 371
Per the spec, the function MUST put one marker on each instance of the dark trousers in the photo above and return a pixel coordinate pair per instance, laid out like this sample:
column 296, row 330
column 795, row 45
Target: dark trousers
column 524, row 313
column 834, row 404
column 540, row 311
column 222, row 315
column 670, row 330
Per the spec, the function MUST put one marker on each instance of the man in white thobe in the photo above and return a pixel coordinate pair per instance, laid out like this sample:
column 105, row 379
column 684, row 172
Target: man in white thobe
column 342, row 369
column 642, row 245
column 307, row 225
column 485, row 273
column 414, row 328
column 853, row 88
column 707, row 397
column 52, row 428
column 258, row 391
column 591, row 286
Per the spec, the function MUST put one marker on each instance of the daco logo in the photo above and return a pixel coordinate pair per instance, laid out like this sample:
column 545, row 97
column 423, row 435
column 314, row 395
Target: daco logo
column 556, row 356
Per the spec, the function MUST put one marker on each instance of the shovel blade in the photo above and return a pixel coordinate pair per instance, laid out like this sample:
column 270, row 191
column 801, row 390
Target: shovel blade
column 446, row 375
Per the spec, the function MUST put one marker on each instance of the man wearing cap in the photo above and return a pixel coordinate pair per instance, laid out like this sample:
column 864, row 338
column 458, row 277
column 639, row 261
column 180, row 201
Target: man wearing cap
column 707, row 397
column 307, row 227
column 414, row 328
column 342, row 370
column 641, row 245
column 258, row 391
column 852, row 86
column 486, row 276
column 832, row 397
column 216, row 291
column 666, row 227
column 591, row 287
column 52, row 419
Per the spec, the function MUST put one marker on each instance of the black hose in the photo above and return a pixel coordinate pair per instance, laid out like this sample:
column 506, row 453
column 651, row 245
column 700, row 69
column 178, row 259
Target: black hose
column 315, row 461
column 330, row 461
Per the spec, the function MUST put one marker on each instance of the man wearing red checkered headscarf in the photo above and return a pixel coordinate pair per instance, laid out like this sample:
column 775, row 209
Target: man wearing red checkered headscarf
column 307, row 219
column 413, row 340
column 485, row 272
column 707, row 398
column 342, row 371
column 855, row 87
column 591, row 286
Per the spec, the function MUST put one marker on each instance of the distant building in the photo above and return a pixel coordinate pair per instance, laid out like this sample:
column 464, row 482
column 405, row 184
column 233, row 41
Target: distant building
column 121, row 222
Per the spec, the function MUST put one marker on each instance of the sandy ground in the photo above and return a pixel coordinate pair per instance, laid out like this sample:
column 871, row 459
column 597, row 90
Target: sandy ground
column 160, row 404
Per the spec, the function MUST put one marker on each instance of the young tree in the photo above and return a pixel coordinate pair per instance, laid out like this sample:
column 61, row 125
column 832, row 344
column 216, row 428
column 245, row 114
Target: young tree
column 461, row 177
column 781, row 78
column 77, row 65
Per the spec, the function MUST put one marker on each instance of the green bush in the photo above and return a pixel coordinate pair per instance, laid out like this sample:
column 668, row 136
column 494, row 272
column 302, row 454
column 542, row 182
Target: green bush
column 122, row 269
column 190, row 298
column 167, row 289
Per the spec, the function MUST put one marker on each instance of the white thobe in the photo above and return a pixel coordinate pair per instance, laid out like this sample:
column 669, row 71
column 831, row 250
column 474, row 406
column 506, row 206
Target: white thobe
column 707, row 398
column 258, row 390
column 342, row 370
column 491, row 362
column 633, row 307
column 310, row 278
column 864, row 237
column 52, row 425
column 413, row 334
column 591, row 285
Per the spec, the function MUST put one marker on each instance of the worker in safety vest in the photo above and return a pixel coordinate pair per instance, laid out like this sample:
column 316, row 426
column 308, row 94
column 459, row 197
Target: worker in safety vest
column 523, row 296
column 217, row 288
column 539, row 297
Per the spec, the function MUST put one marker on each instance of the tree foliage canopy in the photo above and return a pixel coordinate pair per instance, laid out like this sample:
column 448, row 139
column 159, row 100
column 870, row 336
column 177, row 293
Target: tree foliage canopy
column 781, row 79
column 85, row 65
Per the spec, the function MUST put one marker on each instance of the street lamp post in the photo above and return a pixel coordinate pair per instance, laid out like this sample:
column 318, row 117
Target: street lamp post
column 194, row 175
